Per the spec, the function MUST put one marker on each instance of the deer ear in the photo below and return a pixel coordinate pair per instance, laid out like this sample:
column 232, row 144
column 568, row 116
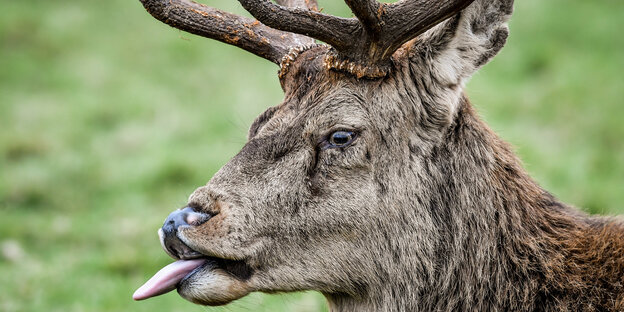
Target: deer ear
column 453, row 50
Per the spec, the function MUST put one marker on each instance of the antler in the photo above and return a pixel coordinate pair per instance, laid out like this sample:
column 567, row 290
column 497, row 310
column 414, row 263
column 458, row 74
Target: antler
column 388, row 26
column 362, row 46
column 239, row 31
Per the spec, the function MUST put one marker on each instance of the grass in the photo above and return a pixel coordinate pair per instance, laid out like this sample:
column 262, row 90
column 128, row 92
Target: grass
column 108, row 120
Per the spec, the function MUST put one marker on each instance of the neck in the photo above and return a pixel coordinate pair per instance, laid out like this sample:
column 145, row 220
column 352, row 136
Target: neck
column 503, row 243
column 343, row 303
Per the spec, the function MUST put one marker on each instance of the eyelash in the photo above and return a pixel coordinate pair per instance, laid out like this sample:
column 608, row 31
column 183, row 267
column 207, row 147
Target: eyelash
column 326, row 143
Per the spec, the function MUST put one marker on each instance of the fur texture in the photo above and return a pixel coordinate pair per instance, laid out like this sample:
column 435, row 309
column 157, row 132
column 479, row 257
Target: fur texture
column 427, row 209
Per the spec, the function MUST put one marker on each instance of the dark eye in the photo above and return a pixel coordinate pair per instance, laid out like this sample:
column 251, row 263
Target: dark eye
column 340, row 138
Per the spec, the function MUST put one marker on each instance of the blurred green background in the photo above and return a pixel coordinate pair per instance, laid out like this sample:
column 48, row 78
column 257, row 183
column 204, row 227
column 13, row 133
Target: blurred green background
column 110, row 119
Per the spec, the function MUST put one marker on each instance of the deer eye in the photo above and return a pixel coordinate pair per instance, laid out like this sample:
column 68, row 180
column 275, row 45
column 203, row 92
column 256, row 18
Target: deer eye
column 340, row 139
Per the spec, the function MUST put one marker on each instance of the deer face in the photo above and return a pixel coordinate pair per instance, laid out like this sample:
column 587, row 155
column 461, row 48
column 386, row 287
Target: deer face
column 293, row 204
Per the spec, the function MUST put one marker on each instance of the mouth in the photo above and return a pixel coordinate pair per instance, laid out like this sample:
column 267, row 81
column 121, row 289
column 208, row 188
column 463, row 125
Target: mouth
column 191, row 269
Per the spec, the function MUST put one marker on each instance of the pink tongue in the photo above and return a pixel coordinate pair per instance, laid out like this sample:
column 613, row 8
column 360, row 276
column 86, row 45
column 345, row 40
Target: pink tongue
column 167, row 278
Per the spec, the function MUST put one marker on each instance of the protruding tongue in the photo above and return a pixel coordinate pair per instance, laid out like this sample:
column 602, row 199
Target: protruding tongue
column 167, row 278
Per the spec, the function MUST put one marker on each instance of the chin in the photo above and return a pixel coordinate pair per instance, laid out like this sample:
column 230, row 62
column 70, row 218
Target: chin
column 212, row 285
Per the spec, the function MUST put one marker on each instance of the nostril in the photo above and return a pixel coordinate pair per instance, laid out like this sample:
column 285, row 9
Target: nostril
column 192, row 217
column 195, row 218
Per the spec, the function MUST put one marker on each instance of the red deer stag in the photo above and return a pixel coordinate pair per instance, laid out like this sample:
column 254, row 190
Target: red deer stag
column 374, row 181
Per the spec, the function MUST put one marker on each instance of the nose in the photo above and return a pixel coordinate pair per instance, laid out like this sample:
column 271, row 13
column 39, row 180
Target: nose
column 182, row 217
column 168, row 233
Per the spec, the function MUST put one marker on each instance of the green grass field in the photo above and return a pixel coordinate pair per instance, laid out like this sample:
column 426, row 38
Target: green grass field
column 109, row 120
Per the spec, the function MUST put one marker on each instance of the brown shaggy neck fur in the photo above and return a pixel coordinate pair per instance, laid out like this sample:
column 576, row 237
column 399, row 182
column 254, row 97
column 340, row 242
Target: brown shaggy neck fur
column 520, row 248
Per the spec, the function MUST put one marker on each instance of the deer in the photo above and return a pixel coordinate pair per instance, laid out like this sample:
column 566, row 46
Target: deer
column 374, row 181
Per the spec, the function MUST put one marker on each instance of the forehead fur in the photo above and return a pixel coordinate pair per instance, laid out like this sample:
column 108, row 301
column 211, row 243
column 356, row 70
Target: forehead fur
column 335, row 109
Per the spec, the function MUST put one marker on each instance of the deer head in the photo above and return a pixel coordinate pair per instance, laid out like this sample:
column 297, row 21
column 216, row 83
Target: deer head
column 356, row 183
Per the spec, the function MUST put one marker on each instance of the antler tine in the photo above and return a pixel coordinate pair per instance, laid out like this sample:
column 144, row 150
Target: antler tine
column 369, row 13
column 336, row 31
column 239, row 31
